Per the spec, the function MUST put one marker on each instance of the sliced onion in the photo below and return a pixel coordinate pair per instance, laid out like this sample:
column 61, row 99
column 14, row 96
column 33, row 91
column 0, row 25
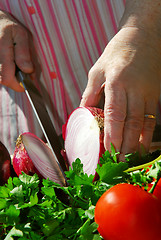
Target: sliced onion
column 84, row 137
column 21, row 160
column 42, row 158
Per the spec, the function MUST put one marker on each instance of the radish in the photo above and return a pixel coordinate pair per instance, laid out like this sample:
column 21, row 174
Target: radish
column 21, row 160
column 5, row 164
column 83, row 136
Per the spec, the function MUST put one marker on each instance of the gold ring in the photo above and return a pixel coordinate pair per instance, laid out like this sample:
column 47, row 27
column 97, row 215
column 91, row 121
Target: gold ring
column 150, row 116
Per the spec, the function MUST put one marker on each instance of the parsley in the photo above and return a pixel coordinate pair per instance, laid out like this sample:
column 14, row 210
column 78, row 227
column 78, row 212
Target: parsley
column 36, row 209
column 31, row 209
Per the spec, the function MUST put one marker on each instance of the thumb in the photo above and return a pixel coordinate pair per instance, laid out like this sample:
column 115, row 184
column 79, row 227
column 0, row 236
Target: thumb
column 94, row 89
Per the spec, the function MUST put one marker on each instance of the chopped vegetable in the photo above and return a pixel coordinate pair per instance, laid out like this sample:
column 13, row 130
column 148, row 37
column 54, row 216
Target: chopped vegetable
column 21, row 160
column 33, row 208
column 33, row 155
column 30, row 213
column 84, row 137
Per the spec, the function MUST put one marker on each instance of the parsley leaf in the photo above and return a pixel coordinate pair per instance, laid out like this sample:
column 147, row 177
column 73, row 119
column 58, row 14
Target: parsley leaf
column 36, row 209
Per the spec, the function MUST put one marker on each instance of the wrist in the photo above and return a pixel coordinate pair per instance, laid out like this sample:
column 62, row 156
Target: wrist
column 132, row 42
column 144, row 15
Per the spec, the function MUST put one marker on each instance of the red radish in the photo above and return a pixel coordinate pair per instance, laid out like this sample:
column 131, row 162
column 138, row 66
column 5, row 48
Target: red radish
column 5, row 164
column 21, row 160
column 84, row 137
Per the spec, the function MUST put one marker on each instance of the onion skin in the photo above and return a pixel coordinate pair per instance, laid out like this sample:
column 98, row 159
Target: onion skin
column 21, row 161
column 84, row 128
column 99, row 114
column 5, row 164
column 32, row 155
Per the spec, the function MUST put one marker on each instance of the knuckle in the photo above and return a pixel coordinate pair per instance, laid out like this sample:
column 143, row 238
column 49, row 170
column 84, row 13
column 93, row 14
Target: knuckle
column 96, row 72
column 92, row 74
column 134, row 123
column 21, row 31
column 4, row 31
column 114, row 114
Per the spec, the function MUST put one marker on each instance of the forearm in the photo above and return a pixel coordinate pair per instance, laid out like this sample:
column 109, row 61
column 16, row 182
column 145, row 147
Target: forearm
column 143, row 14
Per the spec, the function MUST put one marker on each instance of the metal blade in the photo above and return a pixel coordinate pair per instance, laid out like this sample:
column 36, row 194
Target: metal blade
column 44, row 120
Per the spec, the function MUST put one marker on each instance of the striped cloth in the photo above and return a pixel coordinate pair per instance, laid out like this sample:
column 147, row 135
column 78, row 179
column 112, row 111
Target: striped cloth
column 69, row 36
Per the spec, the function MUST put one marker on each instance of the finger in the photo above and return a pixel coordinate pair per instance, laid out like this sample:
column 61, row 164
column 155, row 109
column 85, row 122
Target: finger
column 115, row 114
column 7, row 66
column 93, row 92
column 149, row 124
column 7, row 76
column 22, row 50
column 133, row 123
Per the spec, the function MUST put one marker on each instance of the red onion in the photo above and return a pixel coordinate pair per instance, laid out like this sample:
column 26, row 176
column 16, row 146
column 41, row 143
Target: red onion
column 5, row 164
column 21, row 160
column 33, row 155
column 84, row 137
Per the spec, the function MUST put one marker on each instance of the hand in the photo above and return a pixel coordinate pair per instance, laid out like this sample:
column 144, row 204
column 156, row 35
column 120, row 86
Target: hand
column 129, row 71
column 15, row 50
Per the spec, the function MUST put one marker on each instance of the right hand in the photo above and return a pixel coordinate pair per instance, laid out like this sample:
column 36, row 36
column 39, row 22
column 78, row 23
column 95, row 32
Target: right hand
column 129, row 71
column 15, row 50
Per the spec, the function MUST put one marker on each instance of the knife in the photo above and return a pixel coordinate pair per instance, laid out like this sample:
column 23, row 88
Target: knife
column 39, row 108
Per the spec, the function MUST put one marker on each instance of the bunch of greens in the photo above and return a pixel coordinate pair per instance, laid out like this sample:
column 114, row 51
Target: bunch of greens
column 37, row 210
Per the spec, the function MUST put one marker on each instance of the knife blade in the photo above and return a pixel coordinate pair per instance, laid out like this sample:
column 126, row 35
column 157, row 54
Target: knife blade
column 41, row 113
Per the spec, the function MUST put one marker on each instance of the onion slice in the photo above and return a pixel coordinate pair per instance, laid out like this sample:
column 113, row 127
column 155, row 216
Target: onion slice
column 43, row 158
column 83, row 136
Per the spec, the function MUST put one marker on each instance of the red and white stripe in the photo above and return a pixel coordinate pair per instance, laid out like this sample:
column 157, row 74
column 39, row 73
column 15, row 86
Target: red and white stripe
column 69, row 36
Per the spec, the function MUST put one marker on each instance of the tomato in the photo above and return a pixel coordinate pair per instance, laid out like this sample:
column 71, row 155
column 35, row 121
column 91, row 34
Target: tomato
column 127, row 212
column 157, row 190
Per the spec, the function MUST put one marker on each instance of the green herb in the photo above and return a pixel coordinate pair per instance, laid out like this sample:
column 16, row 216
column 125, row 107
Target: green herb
column 37, row 210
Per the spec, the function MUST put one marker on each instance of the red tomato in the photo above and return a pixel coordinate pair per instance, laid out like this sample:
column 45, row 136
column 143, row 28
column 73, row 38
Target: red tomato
column 157, row 190
column 126, row 212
